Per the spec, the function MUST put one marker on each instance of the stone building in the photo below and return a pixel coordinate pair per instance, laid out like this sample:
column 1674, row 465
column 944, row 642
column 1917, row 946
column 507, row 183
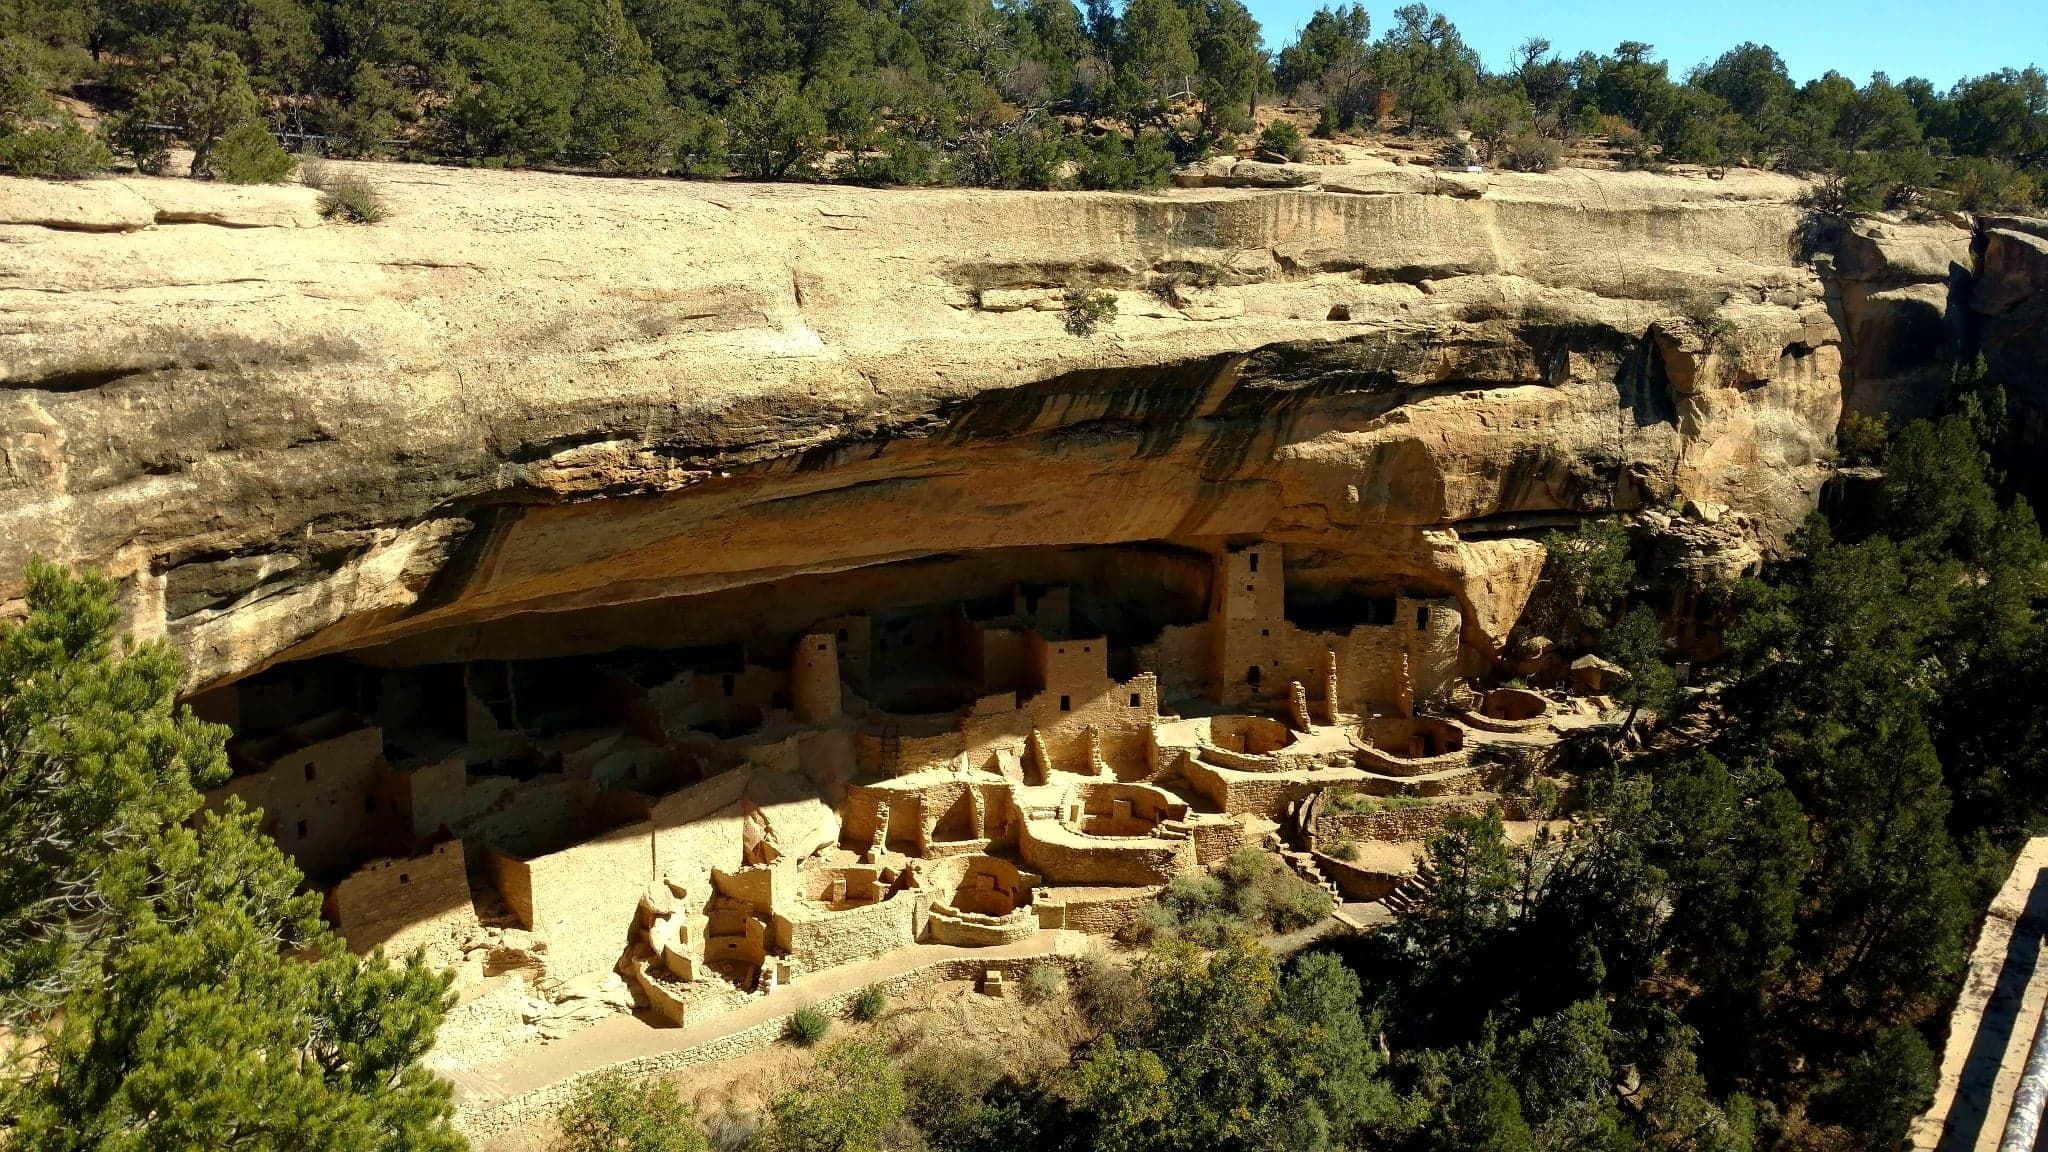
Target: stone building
column 965, row 772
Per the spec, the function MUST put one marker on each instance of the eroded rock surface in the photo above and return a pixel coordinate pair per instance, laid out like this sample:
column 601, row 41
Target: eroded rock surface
column 2011, row 310
column 527, row 393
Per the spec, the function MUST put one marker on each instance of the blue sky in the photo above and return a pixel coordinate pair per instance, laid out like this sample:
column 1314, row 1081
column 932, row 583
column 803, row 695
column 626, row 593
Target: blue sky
column 1941, row 41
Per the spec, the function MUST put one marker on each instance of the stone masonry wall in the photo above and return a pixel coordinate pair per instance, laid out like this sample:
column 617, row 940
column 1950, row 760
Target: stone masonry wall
column 820, row 939
column 1065, row 857
column 508, row 1113
column 404, row 903
column 1407, row 823
column 585, row 898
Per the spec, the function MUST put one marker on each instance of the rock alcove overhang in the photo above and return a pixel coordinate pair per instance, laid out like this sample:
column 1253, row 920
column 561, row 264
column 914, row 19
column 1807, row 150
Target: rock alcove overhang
column 527, row 394
column 1198, row 455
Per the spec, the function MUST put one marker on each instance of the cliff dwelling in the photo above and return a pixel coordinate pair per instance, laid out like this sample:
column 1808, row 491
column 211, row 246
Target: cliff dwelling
column 712, row 795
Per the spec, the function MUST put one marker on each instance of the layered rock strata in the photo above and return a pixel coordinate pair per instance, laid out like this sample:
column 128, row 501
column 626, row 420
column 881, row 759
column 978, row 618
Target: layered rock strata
column 531, row 394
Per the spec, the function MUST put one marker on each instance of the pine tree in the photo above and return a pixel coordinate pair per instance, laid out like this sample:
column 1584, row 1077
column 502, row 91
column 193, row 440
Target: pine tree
column 95, row 760
column 199, row 1000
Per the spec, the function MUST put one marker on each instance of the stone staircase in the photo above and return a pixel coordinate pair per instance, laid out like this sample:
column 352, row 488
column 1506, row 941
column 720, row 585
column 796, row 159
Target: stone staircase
column 1304, row 865
column 1413, row 892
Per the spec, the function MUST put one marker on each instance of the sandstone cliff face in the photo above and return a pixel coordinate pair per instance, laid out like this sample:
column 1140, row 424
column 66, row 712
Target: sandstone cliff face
column 528, row 393
column 2010, row 306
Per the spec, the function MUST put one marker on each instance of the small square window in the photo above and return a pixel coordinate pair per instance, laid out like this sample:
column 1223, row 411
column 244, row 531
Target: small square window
column 1422, row 617
column 1265, row 631
column 404, row 878
column 1137, row 701
column 1247, row 587
column 1255, row 561
column 821, row 645
column 1066, row 704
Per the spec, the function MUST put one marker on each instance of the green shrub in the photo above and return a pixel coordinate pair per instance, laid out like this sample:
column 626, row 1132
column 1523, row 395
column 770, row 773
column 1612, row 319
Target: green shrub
column 130, row 135
column 63, row 153
column 1326, row 122
column 1356, row 803
column 1294, row 903
column 1088, row 311
column 1113, row 164
column 1404, row 803
column 1245, row 866
column 612, row 1112
column 1861, row 439
column 249, row 154
column 1252, row 892
column 700, row 143
column 808, row 1026
column 1192, row 895
column 1345, row 850
column 775, row 128
column 205, row 91
column 1022, row 158
column 1111, row 997
column 1881, row 1089
column 1985, row 184
column 1153, row 921
column 945, row 1092
column 1281, row 140
column 1531, row 152
column 732, row 1128
column 871, row 1003
column 351, row 199
column 1043, row 980
column 1638, row 152
column 900, row 159
column 849, row 1107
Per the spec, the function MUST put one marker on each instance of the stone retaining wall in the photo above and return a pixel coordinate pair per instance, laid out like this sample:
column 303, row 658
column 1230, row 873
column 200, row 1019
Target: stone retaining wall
column 1407, row 823
column 1357, row 882
column 507, row 1113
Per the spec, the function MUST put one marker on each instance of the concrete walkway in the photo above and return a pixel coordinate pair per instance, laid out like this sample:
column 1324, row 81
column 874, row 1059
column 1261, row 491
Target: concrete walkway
column 1995, row 1017
column 531, row 1068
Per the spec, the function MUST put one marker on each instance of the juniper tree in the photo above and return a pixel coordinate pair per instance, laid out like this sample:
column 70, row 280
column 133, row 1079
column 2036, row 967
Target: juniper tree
column 174, row 982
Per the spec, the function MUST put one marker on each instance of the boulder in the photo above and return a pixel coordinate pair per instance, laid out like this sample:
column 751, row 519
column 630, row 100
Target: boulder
column 2014, row 270
column 1230, row 172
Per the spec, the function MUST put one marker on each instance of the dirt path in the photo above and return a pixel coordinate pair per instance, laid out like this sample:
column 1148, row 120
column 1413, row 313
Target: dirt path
column 534, row 1067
